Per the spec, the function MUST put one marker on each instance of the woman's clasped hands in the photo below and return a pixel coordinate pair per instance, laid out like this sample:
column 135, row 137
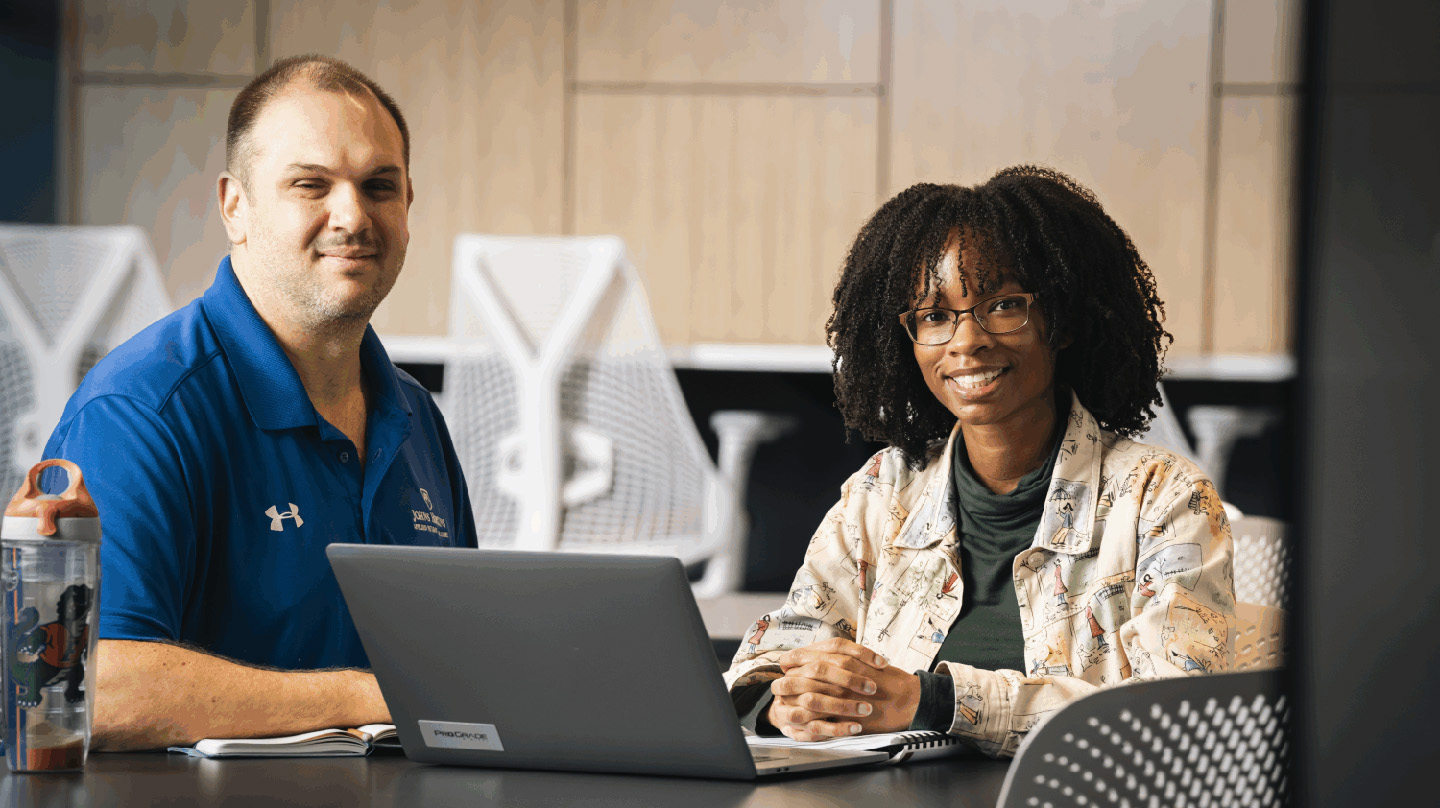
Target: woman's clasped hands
column 837, row 688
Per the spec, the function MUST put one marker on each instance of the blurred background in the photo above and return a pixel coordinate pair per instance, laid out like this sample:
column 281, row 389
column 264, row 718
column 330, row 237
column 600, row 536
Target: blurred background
column 736, row 147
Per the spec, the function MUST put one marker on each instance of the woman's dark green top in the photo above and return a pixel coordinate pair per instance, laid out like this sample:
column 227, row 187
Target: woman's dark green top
column 993, row 529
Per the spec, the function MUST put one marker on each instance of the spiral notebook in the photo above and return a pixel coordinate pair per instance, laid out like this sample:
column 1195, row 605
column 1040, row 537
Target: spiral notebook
column 902, row 746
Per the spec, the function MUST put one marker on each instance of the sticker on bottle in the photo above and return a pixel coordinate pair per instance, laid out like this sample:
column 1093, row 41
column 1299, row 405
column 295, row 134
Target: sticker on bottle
column 455, row 735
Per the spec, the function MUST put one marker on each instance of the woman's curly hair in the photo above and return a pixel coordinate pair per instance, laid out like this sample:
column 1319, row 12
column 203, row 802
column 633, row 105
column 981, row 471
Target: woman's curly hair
column 1051, row 235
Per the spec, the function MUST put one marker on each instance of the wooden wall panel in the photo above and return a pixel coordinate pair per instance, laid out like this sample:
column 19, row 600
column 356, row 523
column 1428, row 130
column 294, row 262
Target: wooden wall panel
column 714, row 137
column 151, row 156
column 1113, row 94
column 1253, row 239
column 753, row 41
column 1262, row 41
column 737, row 210
column 168, row 36
column 482, row 89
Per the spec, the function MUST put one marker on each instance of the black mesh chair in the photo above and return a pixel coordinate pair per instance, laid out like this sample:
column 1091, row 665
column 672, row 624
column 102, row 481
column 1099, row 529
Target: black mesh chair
column 1220, row 740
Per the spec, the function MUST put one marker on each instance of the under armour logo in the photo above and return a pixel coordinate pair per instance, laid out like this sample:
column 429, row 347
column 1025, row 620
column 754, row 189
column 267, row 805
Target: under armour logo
column 425, row 495
column 277, row 519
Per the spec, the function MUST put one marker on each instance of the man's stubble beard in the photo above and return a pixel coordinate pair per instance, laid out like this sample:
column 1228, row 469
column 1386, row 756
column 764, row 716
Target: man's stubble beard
column 309, row 302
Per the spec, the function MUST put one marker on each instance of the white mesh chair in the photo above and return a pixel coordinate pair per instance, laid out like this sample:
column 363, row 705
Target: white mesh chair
column 1262, row 560
column 67, row 296
column 1218, row 740
column 1259, row 637
column 1217, row 428
column 567, row 416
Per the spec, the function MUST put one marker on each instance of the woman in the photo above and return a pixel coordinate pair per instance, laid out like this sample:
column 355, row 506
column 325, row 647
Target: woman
column 1012, row 550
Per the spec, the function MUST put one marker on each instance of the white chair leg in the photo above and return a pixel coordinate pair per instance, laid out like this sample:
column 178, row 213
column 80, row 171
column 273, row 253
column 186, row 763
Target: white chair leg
column 1217, row 428
column 740, row 433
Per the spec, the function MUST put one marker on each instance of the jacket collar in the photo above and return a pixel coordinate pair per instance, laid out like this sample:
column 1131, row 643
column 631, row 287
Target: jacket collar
column 1070, row 501
column 268, row 382
column 1067, row 524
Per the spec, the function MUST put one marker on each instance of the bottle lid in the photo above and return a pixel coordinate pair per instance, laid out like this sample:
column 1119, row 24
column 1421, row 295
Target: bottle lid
column 36, row 516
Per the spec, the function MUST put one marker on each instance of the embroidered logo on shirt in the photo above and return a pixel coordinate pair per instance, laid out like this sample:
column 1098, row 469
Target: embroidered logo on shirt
column 428, row 520
column 277, row 519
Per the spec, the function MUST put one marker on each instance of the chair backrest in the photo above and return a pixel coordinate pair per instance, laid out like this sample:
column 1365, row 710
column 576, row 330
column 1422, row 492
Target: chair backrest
column 565, row 410
column 68, row 295
column 1259, row 637
column 1262, row 560
column 1217, row 740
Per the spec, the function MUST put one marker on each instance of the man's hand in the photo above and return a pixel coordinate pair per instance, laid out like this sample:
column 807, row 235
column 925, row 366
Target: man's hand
column 837, row 688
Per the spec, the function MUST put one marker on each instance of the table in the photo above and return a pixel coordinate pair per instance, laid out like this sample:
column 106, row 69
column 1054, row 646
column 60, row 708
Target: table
column 393, row 780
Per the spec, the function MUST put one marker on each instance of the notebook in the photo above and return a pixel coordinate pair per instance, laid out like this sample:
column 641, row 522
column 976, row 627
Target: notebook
column 358, row 742
column 900, row 746
column 553, row 661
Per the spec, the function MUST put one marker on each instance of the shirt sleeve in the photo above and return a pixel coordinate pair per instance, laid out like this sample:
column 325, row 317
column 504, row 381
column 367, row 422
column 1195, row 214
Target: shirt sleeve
column 459, row 491
column 135, row 472
column 1185, row 628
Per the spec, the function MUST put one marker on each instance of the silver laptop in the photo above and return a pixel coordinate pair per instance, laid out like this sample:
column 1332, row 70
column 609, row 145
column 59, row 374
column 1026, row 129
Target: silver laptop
column 552, row 661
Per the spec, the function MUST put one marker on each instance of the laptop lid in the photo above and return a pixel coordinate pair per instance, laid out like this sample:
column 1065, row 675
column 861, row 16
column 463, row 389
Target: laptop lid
column 543, row 660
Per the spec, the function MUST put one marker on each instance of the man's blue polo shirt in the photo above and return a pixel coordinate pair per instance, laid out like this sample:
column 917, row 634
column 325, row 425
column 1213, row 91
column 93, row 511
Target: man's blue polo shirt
column 219, row 485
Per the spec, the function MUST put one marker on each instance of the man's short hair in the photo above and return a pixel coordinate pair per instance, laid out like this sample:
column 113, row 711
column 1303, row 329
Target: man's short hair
column 321, row 72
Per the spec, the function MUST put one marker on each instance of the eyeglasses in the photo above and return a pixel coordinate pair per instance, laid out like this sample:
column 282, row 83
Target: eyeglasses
column 997, row 315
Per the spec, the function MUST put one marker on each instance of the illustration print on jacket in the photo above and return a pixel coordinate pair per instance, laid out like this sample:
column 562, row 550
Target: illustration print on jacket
column 1129, row 577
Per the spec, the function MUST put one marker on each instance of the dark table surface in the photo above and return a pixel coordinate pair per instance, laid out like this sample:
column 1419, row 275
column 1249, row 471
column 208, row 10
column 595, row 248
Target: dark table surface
column 393, row 780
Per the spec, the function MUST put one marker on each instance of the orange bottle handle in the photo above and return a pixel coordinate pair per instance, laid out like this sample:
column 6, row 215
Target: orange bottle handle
column 73, row 502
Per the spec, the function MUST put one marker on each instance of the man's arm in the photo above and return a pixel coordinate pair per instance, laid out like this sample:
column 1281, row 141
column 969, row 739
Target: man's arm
column 153, row 695
column 150, row 691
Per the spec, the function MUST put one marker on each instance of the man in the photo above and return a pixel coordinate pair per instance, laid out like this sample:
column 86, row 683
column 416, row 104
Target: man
column 227, row 444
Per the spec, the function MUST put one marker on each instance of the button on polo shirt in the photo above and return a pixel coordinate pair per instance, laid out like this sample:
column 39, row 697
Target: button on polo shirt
column 219, row 485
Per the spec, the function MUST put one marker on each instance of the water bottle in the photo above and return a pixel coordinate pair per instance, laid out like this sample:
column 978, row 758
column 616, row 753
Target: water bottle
column 50, row 582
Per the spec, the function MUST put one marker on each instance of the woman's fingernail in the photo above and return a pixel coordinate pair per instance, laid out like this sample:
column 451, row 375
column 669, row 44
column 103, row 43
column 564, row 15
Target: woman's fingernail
column 884, row 663
column 866, row 709
column 869, row 687
column 854, row 729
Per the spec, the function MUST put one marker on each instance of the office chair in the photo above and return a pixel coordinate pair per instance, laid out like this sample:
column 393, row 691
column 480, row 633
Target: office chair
column 1262, row 560
column 568, row 419
column 68, row 295
column 1259, row 637
column 1218, row 427
column 1217, row 740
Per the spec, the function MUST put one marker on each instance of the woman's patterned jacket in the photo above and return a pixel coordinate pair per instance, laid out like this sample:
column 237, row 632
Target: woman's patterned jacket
column 1129, row 577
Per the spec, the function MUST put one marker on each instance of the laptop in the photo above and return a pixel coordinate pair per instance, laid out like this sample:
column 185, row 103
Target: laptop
column 553, row 661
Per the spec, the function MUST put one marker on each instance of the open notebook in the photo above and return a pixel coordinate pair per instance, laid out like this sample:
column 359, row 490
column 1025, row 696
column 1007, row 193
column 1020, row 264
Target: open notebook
column 902, row 746
column 320, row 743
